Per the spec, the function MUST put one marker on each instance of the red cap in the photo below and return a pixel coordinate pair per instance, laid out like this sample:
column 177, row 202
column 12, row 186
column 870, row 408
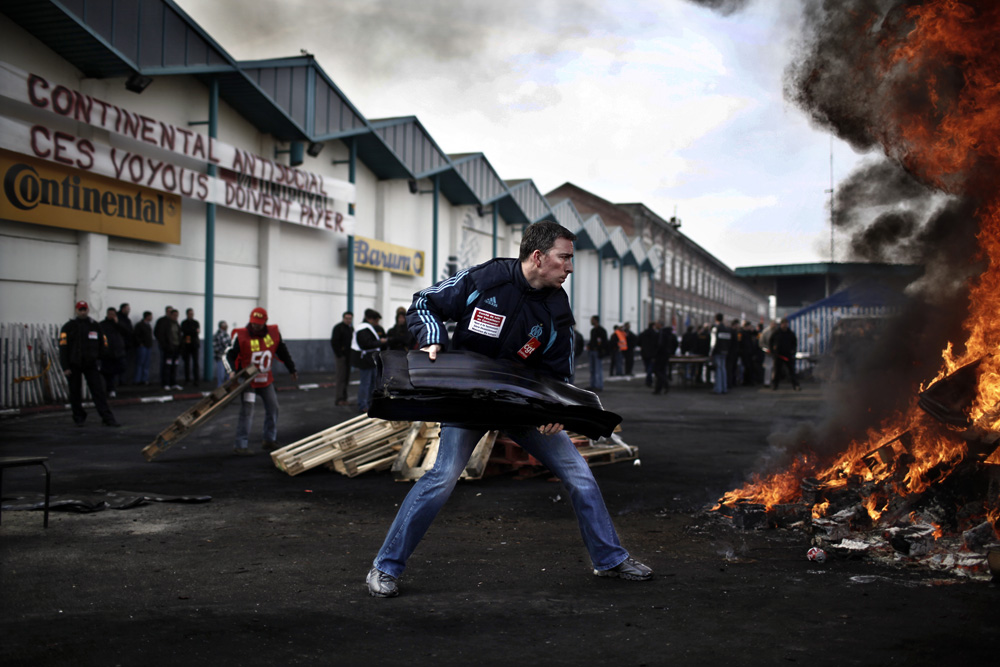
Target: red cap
column 82, row 304
column 258, row 316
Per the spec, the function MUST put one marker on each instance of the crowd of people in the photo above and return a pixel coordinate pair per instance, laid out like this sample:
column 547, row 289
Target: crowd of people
column 117, row 351
column 739, row 353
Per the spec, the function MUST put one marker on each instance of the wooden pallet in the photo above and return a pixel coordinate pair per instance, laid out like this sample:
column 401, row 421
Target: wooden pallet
column 606, row 451
column 419, row 452
column 377, row 456
column 335, row 443
column 507, row 456
column 199, row 413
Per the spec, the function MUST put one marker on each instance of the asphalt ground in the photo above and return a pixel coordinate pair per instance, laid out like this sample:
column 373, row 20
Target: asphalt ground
column 271, row 570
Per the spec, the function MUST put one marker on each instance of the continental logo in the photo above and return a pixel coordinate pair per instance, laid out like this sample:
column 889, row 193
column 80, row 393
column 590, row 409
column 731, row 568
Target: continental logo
column 43, row 193
column 26, row 190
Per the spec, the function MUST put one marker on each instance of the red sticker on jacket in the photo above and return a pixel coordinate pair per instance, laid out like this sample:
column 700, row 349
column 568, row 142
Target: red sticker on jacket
column 529, row 347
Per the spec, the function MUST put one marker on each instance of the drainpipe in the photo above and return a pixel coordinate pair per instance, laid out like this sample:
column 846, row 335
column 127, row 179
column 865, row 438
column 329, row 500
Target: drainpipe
column 621, row 290
column 496, row 219
column 437, row 193
column 638, row 300
column 351, row 175
column 208, row 368
column 600, row 283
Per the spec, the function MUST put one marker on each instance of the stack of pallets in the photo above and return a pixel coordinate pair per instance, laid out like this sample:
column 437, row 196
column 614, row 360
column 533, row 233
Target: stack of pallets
column 359, row 444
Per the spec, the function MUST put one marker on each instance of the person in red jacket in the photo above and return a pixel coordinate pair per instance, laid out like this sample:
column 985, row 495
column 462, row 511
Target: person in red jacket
column 258, row 344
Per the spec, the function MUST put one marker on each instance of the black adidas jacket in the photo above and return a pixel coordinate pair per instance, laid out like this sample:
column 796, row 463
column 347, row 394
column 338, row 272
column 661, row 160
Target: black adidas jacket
column 498, row 314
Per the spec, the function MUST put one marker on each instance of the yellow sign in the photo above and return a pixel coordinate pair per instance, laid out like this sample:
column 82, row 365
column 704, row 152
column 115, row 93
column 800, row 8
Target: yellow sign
column 382, row 256
column 43, row 193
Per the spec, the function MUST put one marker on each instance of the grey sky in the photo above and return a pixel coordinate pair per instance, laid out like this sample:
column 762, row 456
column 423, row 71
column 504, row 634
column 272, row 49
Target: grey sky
column 667, row 102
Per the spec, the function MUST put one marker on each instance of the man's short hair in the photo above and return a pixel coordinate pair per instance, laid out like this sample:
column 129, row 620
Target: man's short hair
column 542, row 236
column 147, row 313
column 121, row 307
column 346, row 313
column 111, row 310
column 719, row 317
column 371, row 314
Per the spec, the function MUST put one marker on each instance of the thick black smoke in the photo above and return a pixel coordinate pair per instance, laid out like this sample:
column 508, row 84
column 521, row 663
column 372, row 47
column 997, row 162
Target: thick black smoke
column 844, row 76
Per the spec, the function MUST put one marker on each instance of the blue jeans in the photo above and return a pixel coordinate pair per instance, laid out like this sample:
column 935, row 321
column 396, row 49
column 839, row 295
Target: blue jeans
column 556, row 452
column 366, row 388
column 220, row 373
column 596, row 370
column 270, row 398
column 721, row 381
column 141, row 364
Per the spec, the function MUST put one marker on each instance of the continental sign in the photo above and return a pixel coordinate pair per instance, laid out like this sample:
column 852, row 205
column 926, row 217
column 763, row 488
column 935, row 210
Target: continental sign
column 44, row 193
column 382, row 256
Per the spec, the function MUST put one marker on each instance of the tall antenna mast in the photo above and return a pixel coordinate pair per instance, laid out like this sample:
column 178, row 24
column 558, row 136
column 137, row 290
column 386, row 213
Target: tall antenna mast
column 831, row 199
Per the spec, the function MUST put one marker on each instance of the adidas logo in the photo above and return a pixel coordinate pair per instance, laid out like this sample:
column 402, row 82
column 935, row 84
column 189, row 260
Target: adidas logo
column 492, row 301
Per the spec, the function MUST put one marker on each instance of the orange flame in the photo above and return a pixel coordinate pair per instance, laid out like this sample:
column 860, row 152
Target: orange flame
column 944, row 145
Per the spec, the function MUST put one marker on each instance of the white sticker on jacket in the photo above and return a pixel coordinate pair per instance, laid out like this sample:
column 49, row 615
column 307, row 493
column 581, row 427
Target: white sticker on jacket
column 486, row 323
column 92, row 335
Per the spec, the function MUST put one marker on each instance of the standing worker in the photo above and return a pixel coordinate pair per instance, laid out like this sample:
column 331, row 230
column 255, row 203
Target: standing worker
column 191, row 345
column 340, row 341
column 220, row 343
column 720, row 341
column 596, row 347
column 516, row 310
column 113, row 359
column 81, row 345
column 369, row 338
column 784, row 345
column 257, row 345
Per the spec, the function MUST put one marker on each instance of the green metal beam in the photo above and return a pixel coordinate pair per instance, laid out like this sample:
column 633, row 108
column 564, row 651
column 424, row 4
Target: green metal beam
column 208, row 368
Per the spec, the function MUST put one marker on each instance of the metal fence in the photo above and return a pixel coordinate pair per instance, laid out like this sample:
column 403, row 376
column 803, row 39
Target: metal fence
column 30, row 372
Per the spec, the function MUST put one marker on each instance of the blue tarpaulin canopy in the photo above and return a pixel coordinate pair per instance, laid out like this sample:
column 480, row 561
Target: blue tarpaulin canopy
column 814, row 324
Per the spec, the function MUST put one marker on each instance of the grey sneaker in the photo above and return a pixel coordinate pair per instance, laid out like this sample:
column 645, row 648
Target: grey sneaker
column 381, row 585
column 630, row 569
column 242, row 451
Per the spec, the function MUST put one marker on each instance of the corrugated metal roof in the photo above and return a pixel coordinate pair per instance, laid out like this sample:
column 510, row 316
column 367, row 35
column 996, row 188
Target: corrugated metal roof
column 480, row 176
column 104, row 39
column 823, row 268
column 640, row 254
column 598, row 234
column 567, row 216
column 621, row 245
column 655, row 258
column 411, row 144
column 531, row 202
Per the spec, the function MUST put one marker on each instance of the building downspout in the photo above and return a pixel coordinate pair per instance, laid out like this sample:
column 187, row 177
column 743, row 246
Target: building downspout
column 496, row 221
column 208, row 368
column 621, row 290
column 352, row 162
column 600, row 284
column 437, row 193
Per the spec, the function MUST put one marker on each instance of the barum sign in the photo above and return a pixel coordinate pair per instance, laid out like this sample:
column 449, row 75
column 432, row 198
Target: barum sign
column 382, row 256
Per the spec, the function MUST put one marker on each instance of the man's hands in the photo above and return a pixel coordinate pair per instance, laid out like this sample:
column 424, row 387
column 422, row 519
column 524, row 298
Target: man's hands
column 550, row 429
column 295, row 376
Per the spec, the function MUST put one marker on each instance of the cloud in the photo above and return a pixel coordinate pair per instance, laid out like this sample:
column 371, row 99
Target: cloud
column 661, row 102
